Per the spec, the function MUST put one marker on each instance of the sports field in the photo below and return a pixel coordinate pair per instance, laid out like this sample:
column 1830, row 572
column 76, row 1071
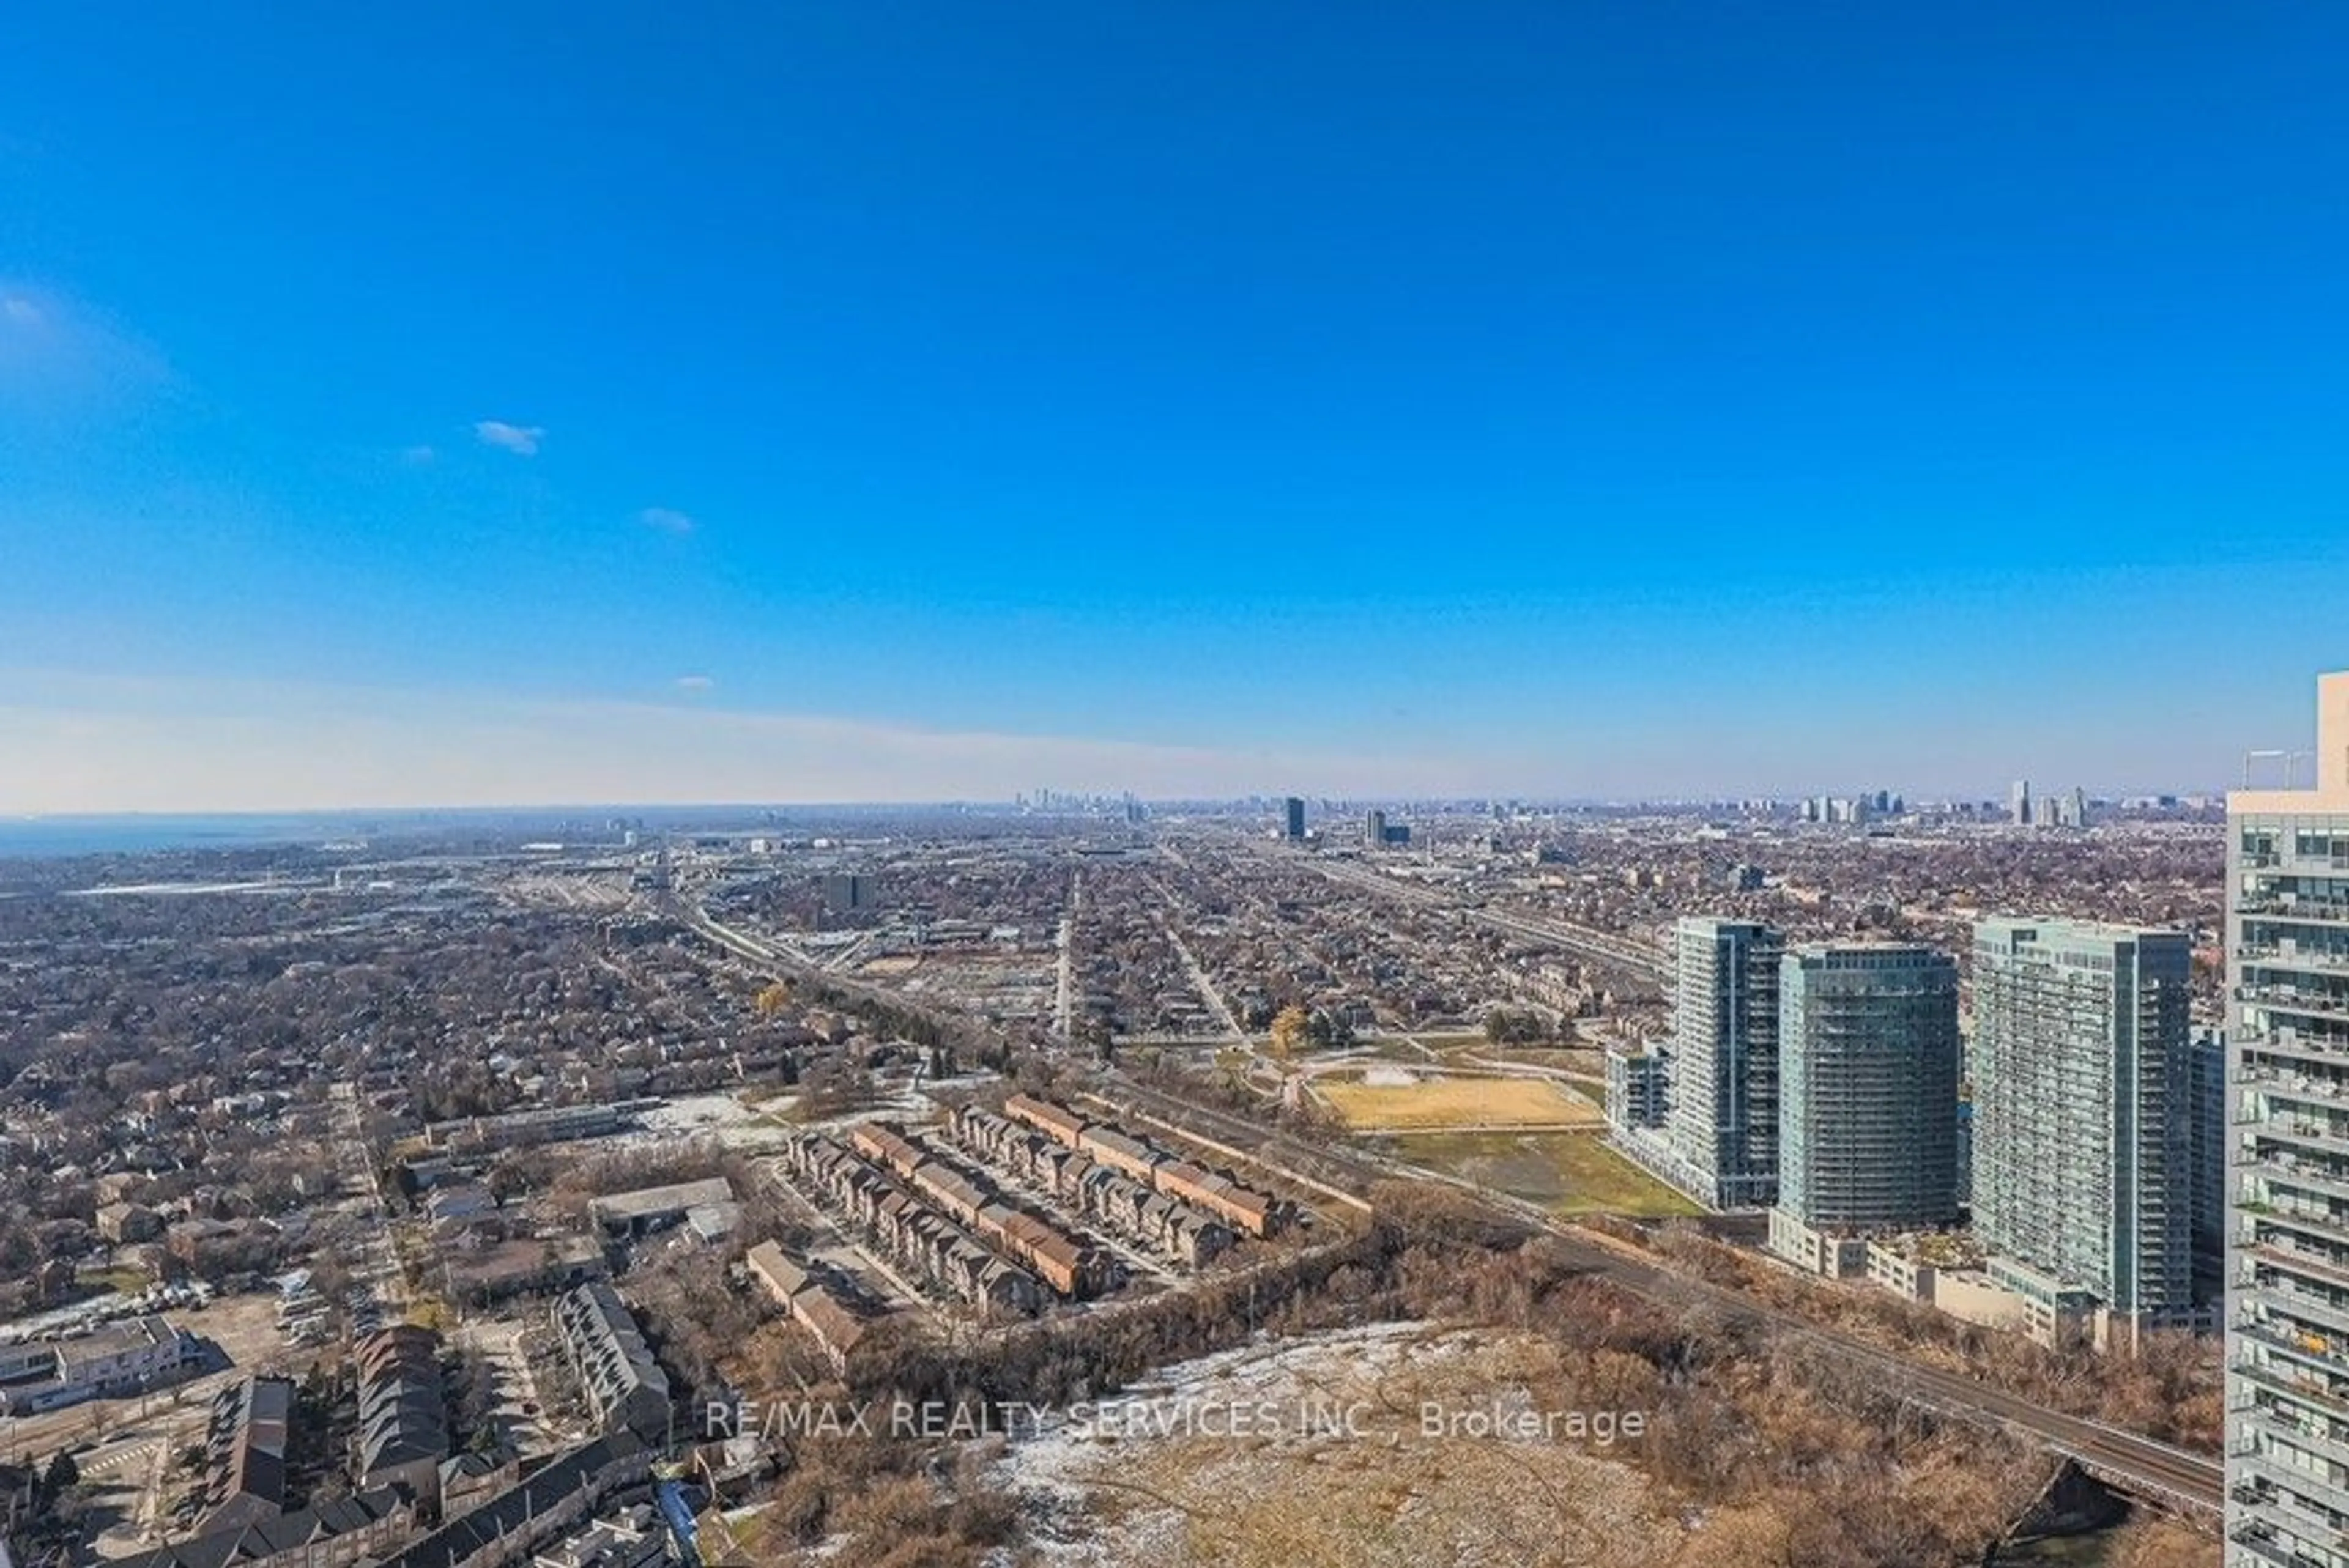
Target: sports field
column 1380, row 1103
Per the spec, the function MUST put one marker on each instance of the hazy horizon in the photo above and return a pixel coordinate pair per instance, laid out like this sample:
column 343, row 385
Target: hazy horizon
column 1563, row 402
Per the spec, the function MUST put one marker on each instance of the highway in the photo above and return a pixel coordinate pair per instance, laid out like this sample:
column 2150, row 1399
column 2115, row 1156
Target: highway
column 2187, row 1483
column 782, row 962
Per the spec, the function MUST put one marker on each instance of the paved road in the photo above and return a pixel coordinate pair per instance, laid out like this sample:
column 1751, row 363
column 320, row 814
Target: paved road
column 2137, row 1463
column 1202, row 982
column 1064, row 977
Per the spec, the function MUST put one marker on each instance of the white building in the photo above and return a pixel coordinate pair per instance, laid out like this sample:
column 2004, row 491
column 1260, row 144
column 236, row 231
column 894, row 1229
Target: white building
column 118, row 1359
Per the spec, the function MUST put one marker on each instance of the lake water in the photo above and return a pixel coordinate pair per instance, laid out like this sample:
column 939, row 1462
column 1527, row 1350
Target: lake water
column 50, row 837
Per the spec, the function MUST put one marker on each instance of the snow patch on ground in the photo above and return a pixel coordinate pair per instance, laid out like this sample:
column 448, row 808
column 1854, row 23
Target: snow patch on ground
column 1312, row 1450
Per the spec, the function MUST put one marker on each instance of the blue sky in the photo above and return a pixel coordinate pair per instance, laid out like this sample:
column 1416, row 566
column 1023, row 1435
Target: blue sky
column 529, row 404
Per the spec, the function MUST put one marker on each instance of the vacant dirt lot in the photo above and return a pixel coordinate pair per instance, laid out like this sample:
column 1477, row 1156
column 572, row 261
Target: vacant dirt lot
column 1461, row 1104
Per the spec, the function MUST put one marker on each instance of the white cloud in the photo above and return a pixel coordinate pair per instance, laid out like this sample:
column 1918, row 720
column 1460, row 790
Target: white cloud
column 63, row 356
column 695, row 683
column 417, row 456
column 668, row 520
column 522, row 439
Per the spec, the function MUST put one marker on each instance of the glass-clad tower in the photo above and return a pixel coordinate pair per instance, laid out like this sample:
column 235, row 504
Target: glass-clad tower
column 2083, row 1116
column 1868, row 1087
column 1724, row 1123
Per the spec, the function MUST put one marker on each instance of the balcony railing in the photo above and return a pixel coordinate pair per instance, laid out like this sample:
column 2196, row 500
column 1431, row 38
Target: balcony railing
column 2318, row 1438
column 2291, row 1170
column 2333, row 1271
column 2323, row 911
column 2302, row 1387
column 2278, row 1083
column 2325, row 1135
column 2319, row 962
column 2303, row 1303
column 2268, row 1549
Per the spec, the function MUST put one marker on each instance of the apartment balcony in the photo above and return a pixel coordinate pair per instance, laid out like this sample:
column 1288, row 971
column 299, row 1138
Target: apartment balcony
column 2325, row 1007
column 2332, row 1269
column 2324, row 1230
column 2244, row 1539
column 2292, row 1047
column 2312, row 963
column 2310, row 1519
column 2304, row 1391
column 2276, row 1083
column 2325, row 1350
column 2325, row 1136
column 2309, row 1506
column 2304, row 1304
column 2319, row 1438
column 2327, row 1489
column 2302, row 913
column 2291, row 1170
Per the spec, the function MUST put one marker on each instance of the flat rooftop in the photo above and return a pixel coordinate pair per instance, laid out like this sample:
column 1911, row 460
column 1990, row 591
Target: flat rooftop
column 654, row 1202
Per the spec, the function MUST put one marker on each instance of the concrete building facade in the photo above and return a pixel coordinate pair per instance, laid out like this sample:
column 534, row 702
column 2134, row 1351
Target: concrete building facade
column 2287, row 1314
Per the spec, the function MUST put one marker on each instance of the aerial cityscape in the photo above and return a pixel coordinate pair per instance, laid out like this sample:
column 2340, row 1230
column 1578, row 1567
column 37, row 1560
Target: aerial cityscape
column 1517, row 788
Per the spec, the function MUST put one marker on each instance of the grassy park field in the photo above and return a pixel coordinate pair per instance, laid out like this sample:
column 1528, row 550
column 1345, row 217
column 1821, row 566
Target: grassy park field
column 1566, row 1173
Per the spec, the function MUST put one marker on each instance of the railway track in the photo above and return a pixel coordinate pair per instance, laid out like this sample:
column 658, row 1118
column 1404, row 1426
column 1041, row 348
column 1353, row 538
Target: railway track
column 2190, row 1483
column 1638, row 959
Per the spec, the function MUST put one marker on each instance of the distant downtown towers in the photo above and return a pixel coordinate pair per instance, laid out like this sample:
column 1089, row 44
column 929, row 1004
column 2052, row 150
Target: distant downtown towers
column 2287, row 1313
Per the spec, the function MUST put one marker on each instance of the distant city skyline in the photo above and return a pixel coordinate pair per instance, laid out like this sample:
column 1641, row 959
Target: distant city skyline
column 808, row 406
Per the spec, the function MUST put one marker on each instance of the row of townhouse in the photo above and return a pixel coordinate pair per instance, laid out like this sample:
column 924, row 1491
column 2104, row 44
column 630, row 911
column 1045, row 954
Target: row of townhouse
column 828, row 1315
column 1242, row 1207
column 1073, row 1268
column 624, row 1384
column 907, row 1228
column 1166, row 1225
column 403, row 1432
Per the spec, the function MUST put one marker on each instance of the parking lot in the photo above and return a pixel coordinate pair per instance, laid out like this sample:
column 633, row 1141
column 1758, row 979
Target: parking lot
column 125, row 1447
column 531, row 1415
